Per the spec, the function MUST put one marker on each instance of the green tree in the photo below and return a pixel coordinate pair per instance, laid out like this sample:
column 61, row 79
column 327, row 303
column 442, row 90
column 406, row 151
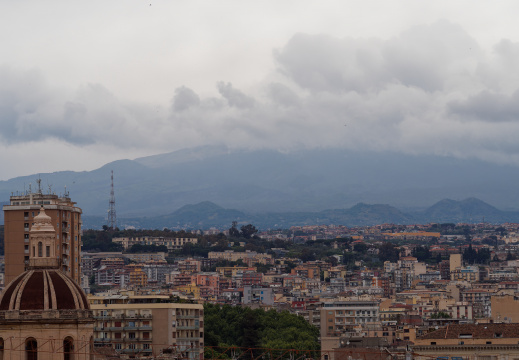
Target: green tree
column 388, row 252
column 247, row 231
column 360, row 248
column 421, row 253
column 233, row 230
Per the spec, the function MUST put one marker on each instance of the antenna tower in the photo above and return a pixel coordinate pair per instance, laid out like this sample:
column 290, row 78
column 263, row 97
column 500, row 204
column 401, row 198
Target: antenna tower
column 111, row 212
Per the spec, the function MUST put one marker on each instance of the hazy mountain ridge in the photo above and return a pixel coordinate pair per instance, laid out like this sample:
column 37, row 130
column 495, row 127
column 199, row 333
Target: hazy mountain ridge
column 206, row 215
column 299, row 185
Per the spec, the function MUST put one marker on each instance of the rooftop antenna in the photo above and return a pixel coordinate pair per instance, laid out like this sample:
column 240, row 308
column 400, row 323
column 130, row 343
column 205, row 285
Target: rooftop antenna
column 111, row 211
column 66, row 193
column 39, row 185
column 30, row 188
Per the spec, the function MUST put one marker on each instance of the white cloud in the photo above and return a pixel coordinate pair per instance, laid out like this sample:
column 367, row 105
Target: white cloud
column 430, row 89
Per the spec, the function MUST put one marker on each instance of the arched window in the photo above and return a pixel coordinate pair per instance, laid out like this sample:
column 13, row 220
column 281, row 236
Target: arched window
column 31, row 349
column 40, row 249
column 1, row 348
column 68, row 348
column 92, row 348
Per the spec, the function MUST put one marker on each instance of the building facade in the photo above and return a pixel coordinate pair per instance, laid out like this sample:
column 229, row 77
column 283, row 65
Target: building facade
column 44, row 314
column 19, row 218
column 141, row 326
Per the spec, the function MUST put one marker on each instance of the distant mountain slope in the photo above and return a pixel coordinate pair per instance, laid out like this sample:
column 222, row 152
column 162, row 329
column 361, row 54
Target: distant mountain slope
column 206, row 214
column 267, row 181
column 469, row 210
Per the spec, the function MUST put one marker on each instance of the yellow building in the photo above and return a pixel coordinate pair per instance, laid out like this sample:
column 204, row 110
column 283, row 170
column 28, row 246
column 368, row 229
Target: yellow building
column 504, row 308
column 191, row 289
column 138, row 277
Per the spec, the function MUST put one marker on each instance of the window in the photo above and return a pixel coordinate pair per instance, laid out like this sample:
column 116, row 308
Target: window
column 131, row 335
column 68, row 348
column 47, row 251
column 31, row 349
column 40, row 249
column 118, row 346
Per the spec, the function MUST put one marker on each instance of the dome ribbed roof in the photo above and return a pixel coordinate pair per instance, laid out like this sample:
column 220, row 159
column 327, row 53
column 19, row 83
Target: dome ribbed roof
column 44, row 289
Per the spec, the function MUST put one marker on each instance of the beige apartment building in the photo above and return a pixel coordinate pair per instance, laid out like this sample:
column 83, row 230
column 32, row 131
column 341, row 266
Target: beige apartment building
column 141, row 325
column 18, row 220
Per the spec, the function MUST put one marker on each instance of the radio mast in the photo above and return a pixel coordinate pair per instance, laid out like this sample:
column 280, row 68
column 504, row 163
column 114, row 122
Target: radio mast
column 111, row 211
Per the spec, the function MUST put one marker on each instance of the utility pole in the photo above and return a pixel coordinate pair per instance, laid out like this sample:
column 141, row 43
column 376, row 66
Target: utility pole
column 111, row 211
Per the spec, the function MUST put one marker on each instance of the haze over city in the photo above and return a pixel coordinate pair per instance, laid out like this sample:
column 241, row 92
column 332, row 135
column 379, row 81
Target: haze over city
column 83, row 84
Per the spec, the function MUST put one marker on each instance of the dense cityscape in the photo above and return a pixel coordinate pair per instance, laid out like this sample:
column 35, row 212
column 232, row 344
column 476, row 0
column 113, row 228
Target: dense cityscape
column 326, row 291
column 259, row 180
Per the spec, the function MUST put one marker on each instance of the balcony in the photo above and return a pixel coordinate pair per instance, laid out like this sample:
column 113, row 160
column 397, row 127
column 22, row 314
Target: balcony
column 131, row 351
column 179, row 316
column 130, row 328
column 102, row 340
column 187, row 327
column 188, row 337
column 116, row 328
column 145, row 327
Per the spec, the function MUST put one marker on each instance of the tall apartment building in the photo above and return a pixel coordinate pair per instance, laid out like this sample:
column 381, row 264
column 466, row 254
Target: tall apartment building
column 18, row 219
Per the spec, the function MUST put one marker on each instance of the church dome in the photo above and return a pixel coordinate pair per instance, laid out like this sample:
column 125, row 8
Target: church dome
column 43, row 289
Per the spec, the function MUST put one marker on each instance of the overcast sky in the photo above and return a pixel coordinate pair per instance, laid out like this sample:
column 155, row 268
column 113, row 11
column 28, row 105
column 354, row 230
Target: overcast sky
column 83, row 83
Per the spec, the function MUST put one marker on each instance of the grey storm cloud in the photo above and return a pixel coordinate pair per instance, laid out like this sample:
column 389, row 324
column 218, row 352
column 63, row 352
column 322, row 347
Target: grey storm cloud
column 418, row 92
column 234, row 97
column 488, row 106
column 282, row 95
column 185, row 98
column 423, row 56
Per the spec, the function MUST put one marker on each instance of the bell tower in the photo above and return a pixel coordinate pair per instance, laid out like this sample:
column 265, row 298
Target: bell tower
column 42, row 243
